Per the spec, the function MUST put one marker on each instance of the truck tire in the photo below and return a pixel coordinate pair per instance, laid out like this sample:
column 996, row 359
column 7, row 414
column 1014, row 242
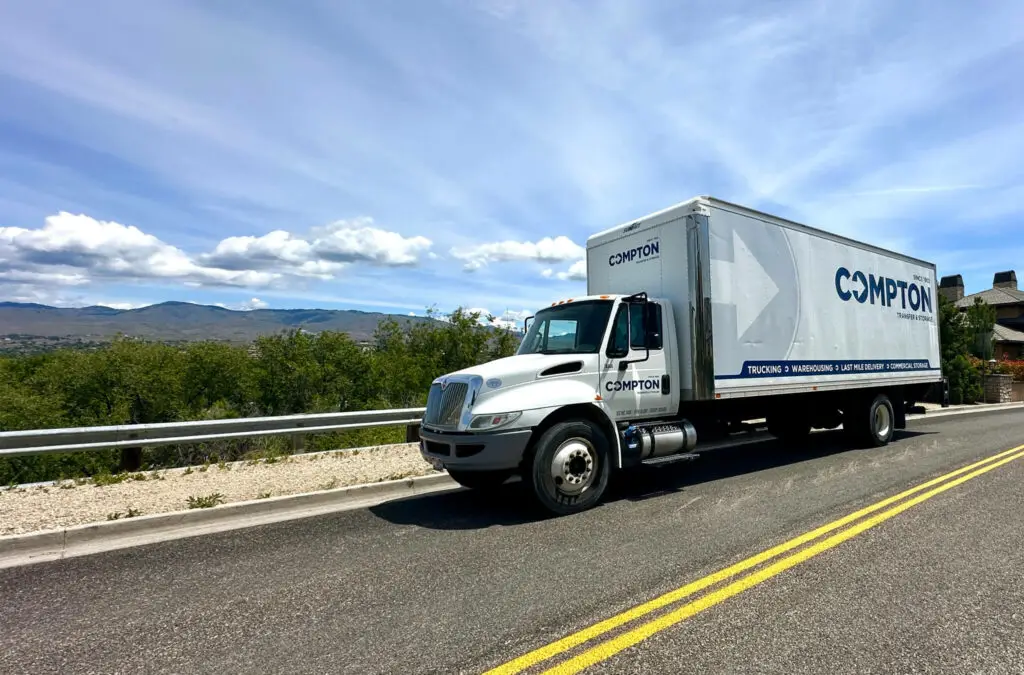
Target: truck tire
column 789, row 429
column 478, row 480
column 570, row 467
column 871, row 421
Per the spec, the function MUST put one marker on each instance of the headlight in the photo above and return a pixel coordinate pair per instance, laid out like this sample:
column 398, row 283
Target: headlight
column 488, row 422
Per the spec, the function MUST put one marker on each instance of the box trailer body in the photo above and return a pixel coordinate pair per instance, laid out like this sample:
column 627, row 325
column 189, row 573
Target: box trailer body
column 765, row 306
column 698, row 319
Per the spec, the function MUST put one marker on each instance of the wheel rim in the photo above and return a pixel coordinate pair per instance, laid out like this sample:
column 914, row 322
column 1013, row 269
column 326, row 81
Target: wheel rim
column 883, row 421
column 573, row 466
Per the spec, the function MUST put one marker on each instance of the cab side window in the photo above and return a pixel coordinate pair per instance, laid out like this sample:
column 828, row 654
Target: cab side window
column 652, row 338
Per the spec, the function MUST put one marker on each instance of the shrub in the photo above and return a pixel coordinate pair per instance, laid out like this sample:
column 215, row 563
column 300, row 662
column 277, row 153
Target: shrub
column 205, row 502
column 965, row 385
column 1015, row 368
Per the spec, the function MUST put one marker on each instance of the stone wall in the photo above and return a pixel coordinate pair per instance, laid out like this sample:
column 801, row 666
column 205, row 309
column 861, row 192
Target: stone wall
column 998, row 388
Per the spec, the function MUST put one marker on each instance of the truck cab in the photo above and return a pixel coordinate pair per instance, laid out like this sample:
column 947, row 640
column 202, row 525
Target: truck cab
column 556, row 411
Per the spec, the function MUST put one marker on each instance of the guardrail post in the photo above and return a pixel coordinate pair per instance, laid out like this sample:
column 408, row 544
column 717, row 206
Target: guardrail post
column 298, row 444
column 131, row 459
column 412, row 433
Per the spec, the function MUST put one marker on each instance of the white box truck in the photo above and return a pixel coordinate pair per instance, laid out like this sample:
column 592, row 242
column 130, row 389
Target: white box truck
column 697, row 319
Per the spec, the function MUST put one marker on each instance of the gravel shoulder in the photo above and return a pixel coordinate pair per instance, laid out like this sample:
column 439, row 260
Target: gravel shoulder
column 45, row 507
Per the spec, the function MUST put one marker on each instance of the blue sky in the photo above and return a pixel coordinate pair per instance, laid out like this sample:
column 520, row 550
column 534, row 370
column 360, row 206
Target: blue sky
column 393, row 155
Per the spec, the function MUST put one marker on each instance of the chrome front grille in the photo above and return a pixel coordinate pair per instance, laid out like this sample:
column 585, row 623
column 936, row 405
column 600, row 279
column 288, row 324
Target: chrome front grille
column 444, row 406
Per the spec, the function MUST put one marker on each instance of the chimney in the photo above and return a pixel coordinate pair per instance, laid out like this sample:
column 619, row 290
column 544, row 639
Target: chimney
column 952, row 288
column 1005, row 280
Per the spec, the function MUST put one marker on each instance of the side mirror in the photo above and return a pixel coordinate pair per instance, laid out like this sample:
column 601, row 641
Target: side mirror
column 637, row 298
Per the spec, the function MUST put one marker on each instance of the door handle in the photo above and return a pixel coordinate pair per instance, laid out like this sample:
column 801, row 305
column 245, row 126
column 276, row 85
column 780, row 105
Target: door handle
column 666, row 385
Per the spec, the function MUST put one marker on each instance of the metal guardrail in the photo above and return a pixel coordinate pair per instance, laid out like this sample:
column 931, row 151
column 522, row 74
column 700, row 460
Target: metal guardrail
column 42, row 441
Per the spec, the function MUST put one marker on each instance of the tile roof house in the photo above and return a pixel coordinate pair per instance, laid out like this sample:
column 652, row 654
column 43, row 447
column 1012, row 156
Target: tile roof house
column 1008, row 301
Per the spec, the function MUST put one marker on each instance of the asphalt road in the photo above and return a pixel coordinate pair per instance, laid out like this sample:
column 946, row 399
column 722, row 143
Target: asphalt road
column 463, row 582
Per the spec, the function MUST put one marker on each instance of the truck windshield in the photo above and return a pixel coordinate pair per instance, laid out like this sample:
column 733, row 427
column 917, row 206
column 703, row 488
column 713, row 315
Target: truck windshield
column 575, row 328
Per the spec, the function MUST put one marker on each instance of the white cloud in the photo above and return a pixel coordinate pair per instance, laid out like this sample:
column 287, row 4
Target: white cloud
column 244, row 306
column 546, row 250
column 358, row 241
column 576, row 272
column 323, row 253
column 509, row 319
column 270, row 250
column 29, row 293
column 76, row 248
column 11, row 274
column 61, row 296
column 512, row 319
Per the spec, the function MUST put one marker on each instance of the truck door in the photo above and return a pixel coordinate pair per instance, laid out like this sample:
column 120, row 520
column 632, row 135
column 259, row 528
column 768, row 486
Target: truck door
column 637, row 381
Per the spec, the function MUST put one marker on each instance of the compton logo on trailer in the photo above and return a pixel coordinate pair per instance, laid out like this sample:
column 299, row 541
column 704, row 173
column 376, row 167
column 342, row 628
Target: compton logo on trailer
column 649, row 250
column 883, row 291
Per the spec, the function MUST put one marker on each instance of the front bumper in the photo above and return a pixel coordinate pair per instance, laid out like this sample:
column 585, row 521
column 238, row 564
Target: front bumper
column 480, row 452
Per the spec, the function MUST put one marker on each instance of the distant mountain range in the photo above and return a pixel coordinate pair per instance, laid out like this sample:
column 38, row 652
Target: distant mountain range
column 181, row 321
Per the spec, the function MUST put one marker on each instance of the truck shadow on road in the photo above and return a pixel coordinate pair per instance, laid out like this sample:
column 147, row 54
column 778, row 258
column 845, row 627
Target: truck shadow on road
column 649, row 482
column 511, row 505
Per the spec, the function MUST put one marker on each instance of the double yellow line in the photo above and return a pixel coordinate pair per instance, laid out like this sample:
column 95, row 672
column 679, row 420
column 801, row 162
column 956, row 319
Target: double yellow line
column 614, row 645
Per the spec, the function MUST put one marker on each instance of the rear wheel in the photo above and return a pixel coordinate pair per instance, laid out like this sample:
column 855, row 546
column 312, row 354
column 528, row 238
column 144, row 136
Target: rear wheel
column 871, row 421
column 478, row 480
column 883, row 418
column 570, row 467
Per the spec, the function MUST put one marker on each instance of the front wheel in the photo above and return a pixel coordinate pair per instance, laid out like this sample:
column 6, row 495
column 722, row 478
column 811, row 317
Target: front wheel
column 479, row 480
column 570, row 467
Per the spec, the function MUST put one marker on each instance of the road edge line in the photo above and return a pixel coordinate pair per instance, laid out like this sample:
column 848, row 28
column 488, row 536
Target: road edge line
column 91, row 538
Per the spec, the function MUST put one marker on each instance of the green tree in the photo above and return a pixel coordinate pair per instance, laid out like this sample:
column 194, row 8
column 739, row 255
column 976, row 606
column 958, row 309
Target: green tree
column 980, row 321
column 126, row 383
column 962, row 334
column 298, row 372
column 341, row 373
column 503, row 344
column 395, row 371
column 217, row 377
column 21, row 407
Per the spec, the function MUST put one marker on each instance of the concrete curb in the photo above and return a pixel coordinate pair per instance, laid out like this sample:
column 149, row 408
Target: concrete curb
column 79, row 540
column 967, row 410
